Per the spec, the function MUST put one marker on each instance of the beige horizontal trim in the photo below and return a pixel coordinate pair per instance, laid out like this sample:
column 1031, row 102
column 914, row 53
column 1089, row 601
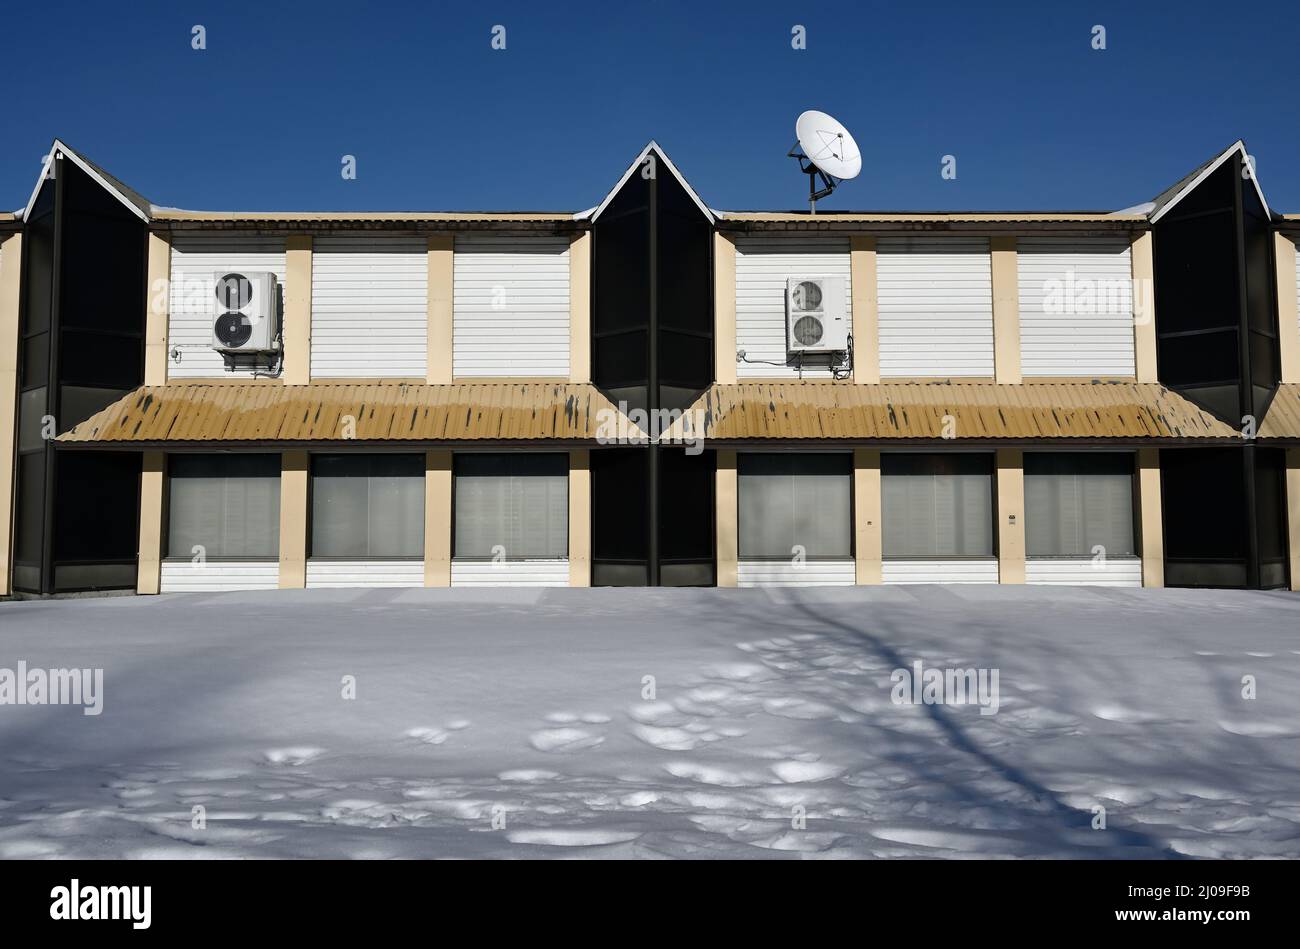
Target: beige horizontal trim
column 991, row 217
column 178, row 214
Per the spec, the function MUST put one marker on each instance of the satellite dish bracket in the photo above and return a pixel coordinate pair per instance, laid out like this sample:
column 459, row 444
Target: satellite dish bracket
column 814, row 173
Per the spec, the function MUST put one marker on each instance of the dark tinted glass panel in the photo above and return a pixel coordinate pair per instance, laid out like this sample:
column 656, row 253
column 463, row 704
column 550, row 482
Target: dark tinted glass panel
column 1270, row 503
column 620, row 360
column 104, row 272
column 686, row 513
column 1265, row 365
column 79, row 403
column 685, row 291
column 1204, row 504
column 29, row 507
column 36, row 360
column 685, row 360
column 38, row 257
column 1259, row 264
column 618, row 509
column 97, row 359
column 621, row 260
column 1201, row 359
column 98, row 506
column 32, row 410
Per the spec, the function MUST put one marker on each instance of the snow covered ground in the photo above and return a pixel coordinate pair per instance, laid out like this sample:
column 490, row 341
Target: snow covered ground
column 518, row 723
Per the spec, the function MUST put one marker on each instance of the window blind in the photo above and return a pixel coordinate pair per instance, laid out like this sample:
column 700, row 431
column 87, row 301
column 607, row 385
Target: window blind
column 367, row 506
column 789, row 501
column 519, row 503
column 227, row 504
column 937, row 505
column 1077, row 501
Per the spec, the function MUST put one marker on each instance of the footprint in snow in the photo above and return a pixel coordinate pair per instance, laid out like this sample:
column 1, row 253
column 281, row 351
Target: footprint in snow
column 436, row 736
column 587, row 718
column 1259, row 729
column 571, row 838
column 796, row 772
column 292, row 756
column 1125, row 716
column 563, row 740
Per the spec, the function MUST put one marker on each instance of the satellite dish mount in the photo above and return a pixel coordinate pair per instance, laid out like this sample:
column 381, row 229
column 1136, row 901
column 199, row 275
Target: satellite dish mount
column 826, row 153
column 815, row 174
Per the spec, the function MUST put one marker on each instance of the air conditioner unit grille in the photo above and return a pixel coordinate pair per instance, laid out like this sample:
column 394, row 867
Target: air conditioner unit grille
column 233, row 329
column 808, row 330
column 807, row 296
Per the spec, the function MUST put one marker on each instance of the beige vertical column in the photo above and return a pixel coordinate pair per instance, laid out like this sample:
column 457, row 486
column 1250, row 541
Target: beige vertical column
column 11, row 268
column 867, row 543
column 725, row 500
column 293, row 520
column 149, row 569
column 1011, row 515
column 866, row 311
column 1006, row 311
column 580, row 308
column 1293, row 513
column 437, row 518
column 1288, row 321
column 442, row 248
column 157, row 309
column 724, row 310
column 1150, row 518
column 1144, row 308
column 297, row 310
column 580, row 517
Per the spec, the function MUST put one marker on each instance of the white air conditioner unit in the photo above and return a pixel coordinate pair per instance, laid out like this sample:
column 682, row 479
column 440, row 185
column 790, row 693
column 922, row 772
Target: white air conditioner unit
column 815, row 320
column 247, row 312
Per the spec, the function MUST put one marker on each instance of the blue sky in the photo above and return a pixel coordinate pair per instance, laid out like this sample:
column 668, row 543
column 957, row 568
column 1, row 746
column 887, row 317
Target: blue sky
column 437, row 119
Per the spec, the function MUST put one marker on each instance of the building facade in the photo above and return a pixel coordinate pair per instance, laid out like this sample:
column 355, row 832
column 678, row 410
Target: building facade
column 629, row 395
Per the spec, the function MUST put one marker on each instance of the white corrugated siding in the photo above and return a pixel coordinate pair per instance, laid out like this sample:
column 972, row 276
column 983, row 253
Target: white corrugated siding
column 184, row 576
column 510, row 573
column 511, row 306
column 365, row 573
column 763, row 265
column 935, row 300
column 1084, row 571
column 783, row 573
column 193, row 301
column 940, row 571
column 369, row 307
column 1076, row 307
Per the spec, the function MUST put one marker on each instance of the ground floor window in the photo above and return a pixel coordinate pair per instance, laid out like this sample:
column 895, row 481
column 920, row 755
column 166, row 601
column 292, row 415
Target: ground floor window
column 367, row 506
column 793, row 504
column 224, row 507
column 511, row 507
column 937, row 505
column 1077, row 502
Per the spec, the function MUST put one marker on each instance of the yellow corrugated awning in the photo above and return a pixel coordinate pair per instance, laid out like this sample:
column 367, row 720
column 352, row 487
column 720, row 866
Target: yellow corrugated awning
column 1282, row 420
column 326, row 412
column 971, row 411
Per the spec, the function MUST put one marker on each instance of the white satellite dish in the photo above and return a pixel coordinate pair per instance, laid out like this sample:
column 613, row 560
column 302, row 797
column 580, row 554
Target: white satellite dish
column 825, row 150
